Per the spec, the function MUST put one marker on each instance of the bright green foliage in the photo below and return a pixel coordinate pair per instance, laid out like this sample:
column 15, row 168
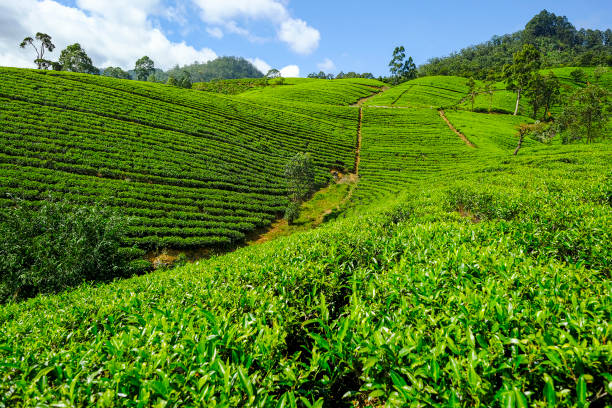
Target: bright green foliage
column 415, row 303
column 400, row 146
column 193, row 169
column 56, row 246
column 336, row 92
column 492, row 133
column 428, row 92
column 456, row 276
column 73, row 58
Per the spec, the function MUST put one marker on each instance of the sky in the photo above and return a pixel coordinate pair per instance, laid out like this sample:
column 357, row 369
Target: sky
column 294, row 36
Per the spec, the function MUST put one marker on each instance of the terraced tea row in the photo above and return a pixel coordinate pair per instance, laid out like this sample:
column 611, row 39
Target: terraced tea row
column 413, row 302
column 494, row 133
column 161, row 153
column 402, row 146
column 436, row 91
column 331, row 92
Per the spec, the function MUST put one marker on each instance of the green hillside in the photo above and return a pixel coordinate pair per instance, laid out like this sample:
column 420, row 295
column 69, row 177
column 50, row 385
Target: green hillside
column 503, row 101
column 428, row 92
column 455, row 274
column 194, row 169
column 336, row 92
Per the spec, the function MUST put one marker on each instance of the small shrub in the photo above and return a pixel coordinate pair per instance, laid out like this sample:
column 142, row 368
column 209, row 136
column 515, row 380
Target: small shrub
column 58, row 246
column 578, row 75
column 292, row 212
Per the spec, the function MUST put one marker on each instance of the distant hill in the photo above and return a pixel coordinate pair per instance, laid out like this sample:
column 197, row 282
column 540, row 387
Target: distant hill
column 220, row 68
column 560, row 43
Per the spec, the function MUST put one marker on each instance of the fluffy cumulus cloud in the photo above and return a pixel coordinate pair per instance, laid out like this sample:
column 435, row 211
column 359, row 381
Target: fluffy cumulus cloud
column 290, row 71
column 228, row 15
column 113, row 32
column 326, row 65
column 300, row 37
column 260, row 64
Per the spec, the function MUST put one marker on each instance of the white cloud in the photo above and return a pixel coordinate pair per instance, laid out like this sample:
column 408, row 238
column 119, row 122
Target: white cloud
column 225, row 15
column 113, row 32
column 326, row 65
column 290, row 71
column 260, row 64
column 221, row 11
column 215, row 32
column 300, row 37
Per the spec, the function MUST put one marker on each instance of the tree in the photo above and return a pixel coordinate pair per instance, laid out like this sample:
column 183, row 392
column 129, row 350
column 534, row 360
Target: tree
column 471, row 84
column 544, row 91
column 143, row 68
column 520, row 73
column 45, row 44
column 397, row 62
column 488, row 89
column 578, row 75
column 74, row 58
column 185, row 80
column 401, row 69
column 172, row 81
column 116, row 72
column 409, row 70
column 599, row 72
column 538, row 130
column 585, row 115
column 300, row 176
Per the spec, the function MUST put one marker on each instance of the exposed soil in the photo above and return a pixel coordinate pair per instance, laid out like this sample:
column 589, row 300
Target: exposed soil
column 358, row 147
column 467, row 214
column 360, row 102
column 167, row 257
column 272, row 232
column 450, row 125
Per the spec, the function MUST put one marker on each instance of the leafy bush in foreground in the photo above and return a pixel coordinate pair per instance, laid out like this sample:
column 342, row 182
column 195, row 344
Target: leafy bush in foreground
column 410, row 304
column 58, row 246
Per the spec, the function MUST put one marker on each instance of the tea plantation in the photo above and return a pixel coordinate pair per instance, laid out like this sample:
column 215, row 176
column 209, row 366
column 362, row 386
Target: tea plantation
column 193, row 168
column 456, row 275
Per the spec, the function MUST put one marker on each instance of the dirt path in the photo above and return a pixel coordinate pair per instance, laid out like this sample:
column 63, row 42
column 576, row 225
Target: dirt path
column 358, row 147
column 450, row 125
column 360, row 102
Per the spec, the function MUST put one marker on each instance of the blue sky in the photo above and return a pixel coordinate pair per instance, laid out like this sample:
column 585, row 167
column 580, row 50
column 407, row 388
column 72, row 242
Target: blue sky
column 300, row 36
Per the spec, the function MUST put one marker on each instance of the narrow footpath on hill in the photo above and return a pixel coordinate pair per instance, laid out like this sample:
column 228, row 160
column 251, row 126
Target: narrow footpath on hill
column 451, row 127
column 325, row 201
column 358, row 147
column 361, row 101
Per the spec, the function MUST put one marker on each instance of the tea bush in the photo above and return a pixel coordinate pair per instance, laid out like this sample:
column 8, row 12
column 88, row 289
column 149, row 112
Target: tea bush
column 58, row 245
